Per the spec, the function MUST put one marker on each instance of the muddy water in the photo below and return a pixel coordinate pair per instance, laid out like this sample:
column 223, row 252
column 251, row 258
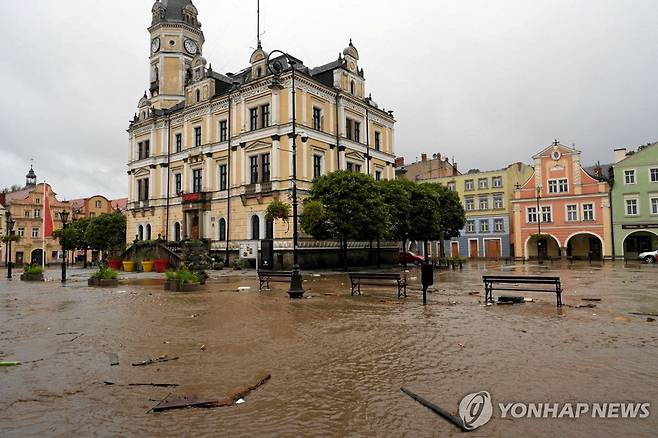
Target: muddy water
column 337, row 362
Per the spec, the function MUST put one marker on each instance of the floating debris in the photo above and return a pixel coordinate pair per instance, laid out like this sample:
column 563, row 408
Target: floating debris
column 160, row 359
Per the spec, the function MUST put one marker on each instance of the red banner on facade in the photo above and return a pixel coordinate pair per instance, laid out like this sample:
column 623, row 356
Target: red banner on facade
column 47, row 213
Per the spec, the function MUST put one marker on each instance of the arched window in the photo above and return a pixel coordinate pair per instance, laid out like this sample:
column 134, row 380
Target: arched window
column 222, row 229
column 269, row 229
column 177, row 232
column 140, row 232
column 148, row 231
column 255, row 227
column 353, row 88
column 259, row 72
column 198, row 95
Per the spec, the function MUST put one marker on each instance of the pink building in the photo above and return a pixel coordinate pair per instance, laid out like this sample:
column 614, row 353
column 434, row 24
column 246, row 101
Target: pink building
column 562, row 210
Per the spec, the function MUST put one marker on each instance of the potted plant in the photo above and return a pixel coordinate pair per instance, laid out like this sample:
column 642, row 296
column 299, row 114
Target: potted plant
column 161, row 265
column 32, row 273
column 128, row 266
column 182, row 280
column 114, row 263
column 147, row 266
column 104, row 277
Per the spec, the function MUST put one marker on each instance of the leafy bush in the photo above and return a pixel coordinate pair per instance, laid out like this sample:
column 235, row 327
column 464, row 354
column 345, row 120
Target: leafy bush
column 183, row 275
column 33, row 269
column 105, row 273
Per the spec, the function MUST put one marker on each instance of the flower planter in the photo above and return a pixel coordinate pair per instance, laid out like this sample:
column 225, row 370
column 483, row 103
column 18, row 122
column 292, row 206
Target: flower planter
column 103, row 282
column 114, row 264
column 129, row 266
column 32, row 277
column 176, row 286
column 147, row 266
column 161, row 266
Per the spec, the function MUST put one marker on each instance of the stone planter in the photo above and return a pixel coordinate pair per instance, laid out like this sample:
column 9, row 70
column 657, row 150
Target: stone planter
column 114, row 264
column 175, row 286
column 103, row 282
column 147, row 266
column 161, row 266
column 32, row 277
column 128, row 266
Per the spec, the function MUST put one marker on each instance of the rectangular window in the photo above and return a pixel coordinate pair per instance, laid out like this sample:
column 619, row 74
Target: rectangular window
column 498, row 225
column 317, row 166
column 223, row 177
column 572, row 213
column 531, row 215
column 348, row 129
column 21, row 232
column 350, row 167
column 179, row 142
column 654, row 205
column 317, row 118
column 498, row 201
column 469, row 204
column 265, row 115
column 197, row 181
column 588, row 212
column 558, row 186
column 253, row 167
column 35, row 233
column 378, row 175
column 452, row 186
column 357, row 168
column 484, row 226
column 26, row 213
column 470, row 226
column 37, row 201
column 546, row 214
column 468, row 185
column 378, row 140
column 563, row 185
column 483, row 183
column 265, row 162
column 178, row 183
column 143, row 150
column 143, row 189
column 497, row 181
column 631, row 207
column 484, row 203
column 147, row 149
column 223, row 130
column 552, row 186
column 629, row 176
column 253, row 119
column 357, row 132
column 197, row 136
column 653, row 175
column 37, row 212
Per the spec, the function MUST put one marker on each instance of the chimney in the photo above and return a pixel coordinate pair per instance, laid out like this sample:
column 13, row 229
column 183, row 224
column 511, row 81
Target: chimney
column 423, row 157
column 620, row 154
column 454, row 169
column 399, row 162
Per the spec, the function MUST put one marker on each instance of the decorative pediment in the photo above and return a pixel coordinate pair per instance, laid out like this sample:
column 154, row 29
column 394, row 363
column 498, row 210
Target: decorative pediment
column 257, row 145
column 557, row 168
column 356, row 156
column 141, row 173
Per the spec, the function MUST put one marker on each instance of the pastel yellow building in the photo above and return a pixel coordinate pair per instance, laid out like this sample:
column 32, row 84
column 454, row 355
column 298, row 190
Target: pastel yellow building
column 210, row 151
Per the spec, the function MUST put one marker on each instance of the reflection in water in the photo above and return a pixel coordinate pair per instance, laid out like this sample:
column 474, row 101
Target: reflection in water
column 337, row 362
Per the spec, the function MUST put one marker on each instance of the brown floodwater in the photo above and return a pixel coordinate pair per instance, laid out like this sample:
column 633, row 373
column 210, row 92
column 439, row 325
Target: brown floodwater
column 337, row 362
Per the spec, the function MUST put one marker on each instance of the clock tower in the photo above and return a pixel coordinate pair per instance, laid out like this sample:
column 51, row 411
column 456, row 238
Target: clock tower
column 176, row 40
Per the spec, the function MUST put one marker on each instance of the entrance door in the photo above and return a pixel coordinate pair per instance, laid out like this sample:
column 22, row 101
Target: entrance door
column 595, row 248
column 492, row 249
column 37, row 257
column 543, row 249
column 195, row 228
column 454, row 249
column 473, row 247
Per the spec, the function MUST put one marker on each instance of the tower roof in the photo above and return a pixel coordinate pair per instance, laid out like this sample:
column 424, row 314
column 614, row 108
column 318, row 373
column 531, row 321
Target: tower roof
column 173, row 11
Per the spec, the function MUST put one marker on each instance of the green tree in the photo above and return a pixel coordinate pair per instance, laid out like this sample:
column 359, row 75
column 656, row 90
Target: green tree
column 397, row 198
column 107, row 232
column 352, row 209
column 75, row 235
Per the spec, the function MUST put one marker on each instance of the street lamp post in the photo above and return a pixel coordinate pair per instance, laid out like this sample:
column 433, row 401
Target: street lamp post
column 540, row 254
column 10, row 234
column 276, row 68
column 64, row 216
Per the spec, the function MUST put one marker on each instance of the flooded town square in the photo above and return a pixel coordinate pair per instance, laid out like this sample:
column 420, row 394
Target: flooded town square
column 337, row 362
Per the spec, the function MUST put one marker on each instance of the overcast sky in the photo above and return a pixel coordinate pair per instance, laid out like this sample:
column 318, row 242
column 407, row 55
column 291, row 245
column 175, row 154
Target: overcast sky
column 489, row 82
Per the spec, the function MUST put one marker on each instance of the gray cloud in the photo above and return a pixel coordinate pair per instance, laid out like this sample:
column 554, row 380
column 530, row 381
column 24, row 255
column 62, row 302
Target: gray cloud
column 488, row 82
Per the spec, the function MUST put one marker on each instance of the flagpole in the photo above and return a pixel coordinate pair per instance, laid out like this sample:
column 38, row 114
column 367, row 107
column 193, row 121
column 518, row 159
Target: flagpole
column 43, row 229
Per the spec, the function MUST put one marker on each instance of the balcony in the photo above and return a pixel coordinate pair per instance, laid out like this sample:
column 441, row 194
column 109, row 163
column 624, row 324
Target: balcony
column 196, row 201
column 256, row 191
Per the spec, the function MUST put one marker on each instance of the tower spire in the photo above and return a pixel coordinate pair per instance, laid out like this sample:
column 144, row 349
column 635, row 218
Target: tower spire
column 258, row 44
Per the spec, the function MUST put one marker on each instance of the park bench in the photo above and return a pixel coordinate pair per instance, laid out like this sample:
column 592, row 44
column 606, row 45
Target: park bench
column 378, row 279
column 264, row 278
column 515, row 283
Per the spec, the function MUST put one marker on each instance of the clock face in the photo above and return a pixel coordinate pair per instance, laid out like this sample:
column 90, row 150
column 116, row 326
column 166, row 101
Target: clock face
column 191, row 47
column 352, row 66
column 155, row 45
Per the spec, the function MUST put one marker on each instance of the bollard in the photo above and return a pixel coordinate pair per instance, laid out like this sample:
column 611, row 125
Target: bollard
column 427, row 279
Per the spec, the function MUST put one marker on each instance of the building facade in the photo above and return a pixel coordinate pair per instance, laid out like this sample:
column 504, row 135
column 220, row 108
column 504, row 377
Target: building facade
column 27, row 208
column 210, row 151
column 426, row 169
column 562, row 211
column 635, row 201
column 486, row 197
column 93, row 206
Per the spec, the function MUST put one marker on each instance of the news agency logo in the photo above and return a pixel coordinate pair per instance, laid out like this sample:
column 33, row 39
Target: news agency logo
column 475, row 410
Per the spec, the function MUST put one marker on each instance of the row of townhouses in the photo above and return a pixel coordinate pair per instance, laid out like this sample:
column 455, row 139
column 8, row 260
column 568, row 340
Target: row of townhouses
column 556, row 207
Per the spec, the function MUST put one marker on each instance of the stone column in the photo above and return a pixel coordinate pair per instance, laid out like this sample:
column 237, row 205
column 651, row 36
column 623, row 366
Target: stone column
column 276, row 107
column 151, row 182
column 341, row 159
column 208, row 180
column 164, row 172
column 244, row 165
column 276, row 158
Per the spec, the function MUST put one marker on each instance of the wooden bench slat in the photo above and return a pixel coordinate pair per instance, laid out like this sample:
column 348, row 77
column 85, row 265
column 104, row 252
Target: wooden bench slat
column 490, row 282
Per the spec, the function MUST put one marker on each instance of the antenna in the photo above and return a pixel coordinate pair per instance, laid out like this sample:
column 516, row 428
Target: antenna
column 258, row 24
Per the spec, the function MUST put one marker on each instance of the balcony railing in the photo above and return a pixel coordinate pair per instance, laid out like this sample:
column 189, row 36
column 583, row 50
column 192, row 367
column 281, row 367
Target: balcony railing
column 189, row 198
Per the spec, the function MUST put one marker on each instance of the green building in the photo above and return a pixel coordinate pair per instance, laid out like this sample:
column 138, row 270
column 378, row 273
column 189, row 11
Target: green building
column 635, row 201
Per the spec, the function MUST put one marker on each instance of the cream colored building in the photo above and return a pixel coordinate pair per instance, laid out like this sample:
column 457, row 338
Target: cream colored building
column 210, row 151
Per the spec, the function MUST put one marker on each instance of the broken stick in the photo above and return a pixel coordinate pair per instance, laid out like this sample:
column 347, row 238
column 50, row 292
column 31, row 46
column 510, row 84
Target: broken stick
column 437, row 409
column 152, row 361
